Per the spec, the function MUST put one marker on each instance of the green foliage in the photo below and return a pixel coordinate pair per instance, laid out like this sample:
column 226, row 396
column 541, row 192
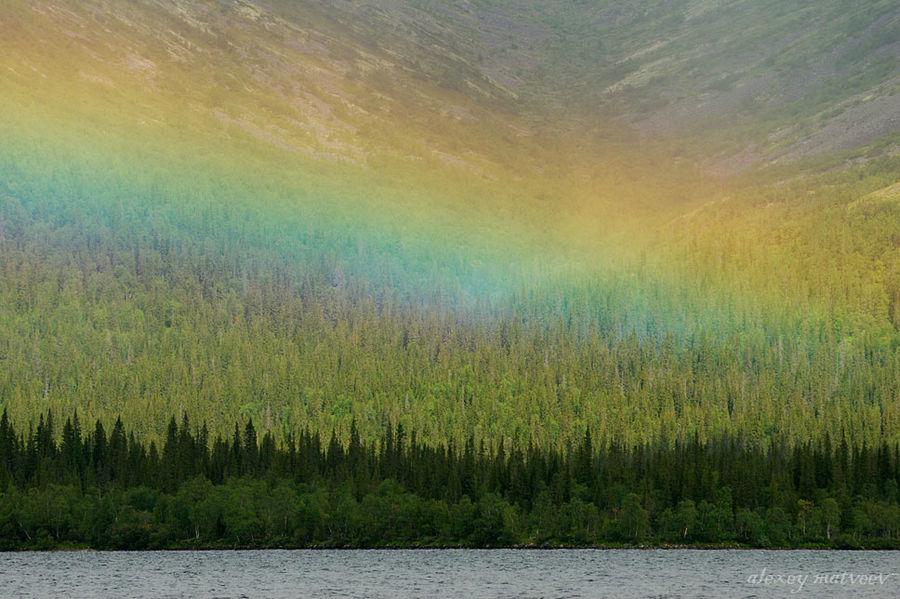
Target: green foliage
column 621, row 347
column 742, row 319
column 303, row 494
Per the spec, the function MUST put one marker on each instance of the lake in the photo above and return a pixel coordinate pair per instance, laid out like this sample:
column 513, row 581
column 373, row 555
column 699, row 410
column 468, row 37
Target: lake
column 451, row 573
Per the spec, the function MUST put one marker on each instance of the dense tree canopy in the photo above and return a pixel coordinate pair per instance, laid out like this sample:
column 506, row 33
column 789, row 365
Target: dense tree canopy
column 111, row 490
column 758, row 315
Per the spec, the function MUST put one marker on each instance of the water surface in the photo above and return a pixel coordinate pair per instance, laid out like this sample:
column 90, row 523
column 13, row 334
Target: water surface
column 463, row 573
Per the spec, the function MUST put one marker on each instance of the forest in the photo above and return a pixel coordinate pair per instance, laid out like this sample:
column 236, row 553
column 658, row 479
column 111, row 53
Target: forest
column 449, row 274
column 760, row 315
column 111, row 490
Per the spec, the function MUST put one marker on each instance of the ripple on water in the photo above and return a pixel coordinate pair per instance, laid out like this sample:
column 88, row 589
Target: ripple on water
column 562, row 574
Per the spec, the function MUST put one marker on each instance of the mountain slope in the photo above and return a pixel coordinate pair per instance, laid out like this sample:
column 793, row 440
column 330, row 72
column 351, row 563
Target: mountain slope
column 470, row 83
column 477, row 219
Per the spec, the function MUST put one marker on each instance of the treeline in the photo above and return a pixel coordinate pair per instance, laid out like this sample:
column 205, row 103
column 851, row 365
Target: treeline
column 102, row 489
column 177, row 303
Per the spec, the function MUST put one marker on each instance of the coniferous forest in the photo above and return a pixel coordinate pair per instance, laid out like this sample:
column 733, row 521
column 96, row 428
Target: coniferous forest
column 316, row 274
column 103, row 489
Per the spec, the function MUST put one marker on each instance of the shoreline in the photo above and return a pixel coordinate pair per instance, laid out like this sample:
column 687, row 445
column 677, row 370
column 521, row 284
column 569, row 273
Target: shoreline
column 644, row 547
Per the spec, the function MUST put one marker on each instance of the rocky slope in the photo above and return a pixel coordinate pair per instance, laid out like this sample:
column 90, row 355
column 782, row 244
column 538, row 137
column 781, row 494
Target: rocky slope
column 475, row 85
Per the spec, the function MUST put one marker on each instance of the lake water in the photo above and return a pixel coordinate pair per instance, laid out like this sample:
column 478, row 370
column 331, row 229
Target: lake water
column 451, row 573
